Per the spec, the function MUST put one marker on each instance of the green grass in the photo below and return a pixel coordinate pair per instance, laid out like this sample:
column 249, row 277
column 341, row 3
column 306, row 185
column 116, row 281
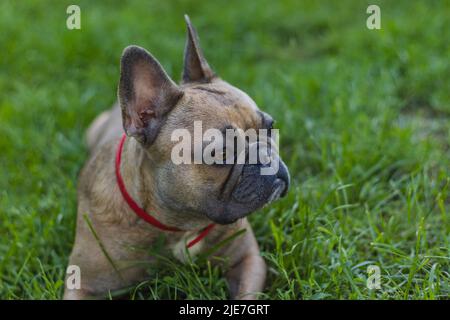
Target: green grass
column 364, row 124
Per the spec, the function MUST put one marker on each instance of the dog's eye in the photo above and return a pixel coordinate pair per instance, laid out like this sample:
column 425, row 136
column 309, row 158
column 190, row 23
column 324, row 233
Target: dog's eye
column 220, row 158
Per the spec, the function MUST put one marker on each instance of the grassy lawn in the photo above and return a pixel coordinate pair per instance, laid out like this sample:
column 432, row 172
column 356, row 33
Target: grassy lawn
column 363, row 118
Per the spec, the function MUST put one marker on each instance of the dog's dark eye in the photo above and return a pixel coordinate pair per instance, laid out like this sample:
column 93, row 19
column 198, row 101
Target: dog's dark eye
column 220, row 158
column 224, row 155
column 221, row 155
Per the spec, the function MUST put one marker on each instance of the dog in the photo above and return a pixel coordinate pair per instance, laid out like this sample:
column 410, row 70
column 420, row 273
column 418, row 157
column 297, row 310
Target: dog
column 131, row 195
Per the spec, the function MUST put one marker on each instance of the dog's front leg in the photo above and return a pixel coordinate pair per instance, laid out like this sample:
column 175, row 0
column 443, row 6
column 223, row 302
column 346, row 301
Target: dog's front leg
column 247, row 272
column 246, row 278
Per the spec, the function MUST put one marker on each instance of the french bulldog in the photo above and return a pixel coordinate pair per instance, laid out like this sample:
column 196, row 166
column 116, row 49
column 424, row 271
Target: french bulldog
column 186, row 199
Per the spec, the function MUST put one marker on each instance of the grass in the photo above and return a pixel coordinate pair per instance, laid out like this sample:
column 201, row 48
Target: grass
column 364, row 124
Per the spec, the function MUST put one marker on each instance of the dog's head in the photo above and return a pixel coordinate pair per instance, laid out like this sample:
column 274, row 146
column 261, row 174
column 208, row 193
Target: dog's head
column 154, row 107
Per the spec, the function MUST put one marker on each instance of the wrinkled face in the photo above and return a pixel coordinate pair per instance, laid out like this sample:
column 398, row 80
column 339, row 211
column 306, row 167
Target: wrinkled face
column 154, row 107
column 222, row 192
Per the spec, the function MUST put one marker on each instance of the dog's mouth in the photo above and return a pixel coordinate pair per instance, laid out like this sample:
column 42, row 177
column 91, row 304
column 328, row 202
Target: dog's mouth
column 278, row 190
column 233, row 211
column 248, row 192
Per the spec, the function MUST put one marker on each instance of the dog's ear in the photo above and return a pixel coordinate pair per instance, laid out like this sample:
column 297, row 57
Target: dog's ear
column 196, row 68
column 146, row 94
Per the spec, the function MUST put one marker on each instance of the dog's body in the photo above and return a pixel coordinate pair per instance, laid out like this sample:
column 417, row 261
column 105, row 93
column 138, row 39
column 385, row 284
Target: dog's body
column 187, row 197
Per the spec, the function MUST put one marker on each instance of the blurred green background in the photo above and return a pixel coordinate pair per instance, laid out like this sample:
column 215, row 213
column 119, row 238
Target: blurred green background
column 363, row 118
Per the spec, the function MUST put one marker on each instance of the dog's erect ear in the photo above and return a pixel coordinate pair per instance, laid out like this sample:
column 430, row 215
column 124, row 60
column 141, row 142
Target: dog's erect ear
column 196, row 68
column 146, row 94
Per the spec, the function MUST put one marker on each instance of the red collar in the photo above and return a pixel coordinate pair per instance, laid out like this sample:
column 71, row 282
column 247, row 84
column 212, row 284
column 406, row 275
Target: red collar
column 141, row 212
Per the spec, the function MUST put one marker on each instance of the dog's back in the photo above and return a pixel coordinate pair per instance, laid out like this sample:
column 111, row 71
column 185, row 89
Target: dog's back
column 105, row 127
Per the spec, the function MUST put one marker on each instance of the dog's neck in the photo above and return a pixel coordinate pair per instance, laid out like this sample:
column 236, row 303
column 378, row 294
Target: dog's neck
column 137, row 175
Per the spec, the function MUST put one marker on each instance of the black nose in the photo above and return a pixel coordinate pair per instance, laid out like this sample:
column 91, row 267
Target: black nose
column 283, row 174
